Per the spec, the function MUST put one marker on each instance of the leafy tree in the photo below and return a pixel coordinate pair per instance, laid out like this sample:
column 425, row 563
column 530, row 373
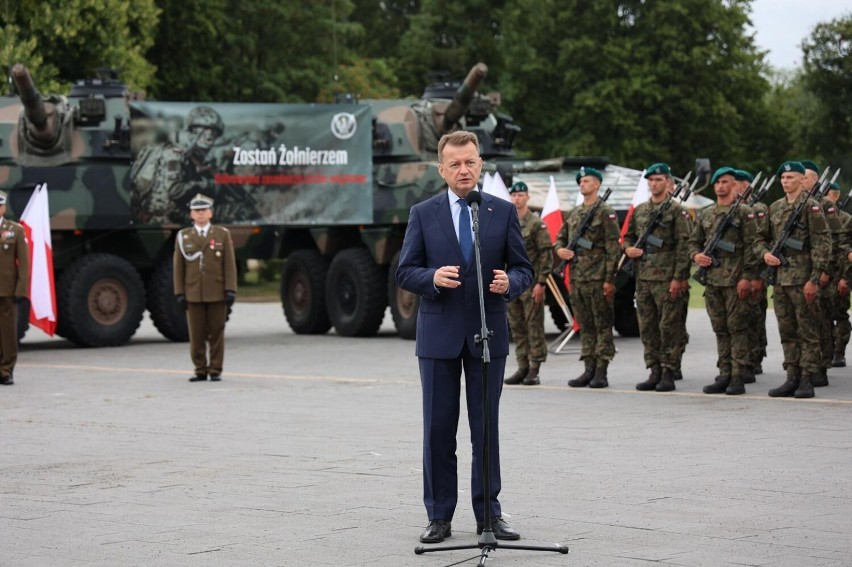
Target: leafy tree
column 65, row 40
column 828, row 76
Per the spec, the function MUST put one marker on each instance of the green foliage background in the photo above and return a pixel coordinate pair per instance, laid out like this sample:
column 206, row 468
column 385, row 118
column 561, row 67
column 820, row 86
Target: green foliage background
column 637, row 80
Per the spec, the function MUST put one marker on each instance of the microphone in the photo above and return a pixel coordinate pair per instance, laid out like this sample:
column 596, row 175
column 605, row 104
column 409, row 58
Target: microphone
column 473, row 199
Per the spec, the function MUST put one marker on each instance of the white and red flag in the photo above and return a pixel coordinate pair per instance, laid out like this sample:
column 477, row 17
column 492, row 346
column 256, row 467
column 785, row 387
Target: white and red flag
column 36, row 223
column 498, row 188
column 551, row 213
column 639, row 196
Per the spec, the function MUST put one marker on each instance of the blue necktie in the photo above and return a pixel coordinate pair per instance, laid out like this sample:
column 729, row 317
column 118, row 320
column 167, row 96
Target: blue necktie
column 465, row 238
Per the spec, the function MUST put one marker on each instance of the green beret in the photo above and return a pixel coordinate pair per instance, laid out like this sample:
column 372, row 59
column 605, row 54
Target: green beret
column 658, row 169
column 519, row 187
column 723, row 171
column 585, row 171
column 794, row 166
column 808, row 164
column 743, row 175
column 835, row 186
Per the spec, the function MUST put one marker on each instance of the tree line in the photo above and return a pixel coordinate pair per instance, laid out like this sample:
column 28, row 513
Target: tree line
column 636, row 80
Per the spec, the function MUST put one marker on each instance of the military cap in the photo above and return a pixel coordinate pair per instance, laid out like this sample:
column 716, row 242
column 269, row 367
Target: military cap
column 723, row 171
column 808, row 164
column 3, row 198
column 201, row 202
column 743, row 175
column 658, row 169
column 791, row 166
column 835, row 186
column 584, row 171
column 519, row 187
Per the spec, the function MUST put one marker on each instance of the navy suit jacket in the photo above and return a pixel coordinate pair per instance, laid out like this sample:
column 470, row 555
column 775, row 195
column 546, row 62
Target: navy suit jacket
column 449, row 317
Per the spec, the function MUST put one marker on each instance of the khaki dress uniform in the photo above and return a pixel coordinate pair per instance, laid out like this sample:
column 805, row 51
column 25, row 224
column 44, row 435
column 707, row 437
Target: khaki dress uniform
column 14, row 283
column 204, row 269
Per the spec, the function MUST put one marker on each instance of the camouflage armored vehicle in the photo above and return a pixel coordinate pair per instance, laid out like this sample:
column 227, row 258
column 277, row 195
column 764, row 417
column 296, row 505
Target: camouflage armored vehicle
column 327, row 187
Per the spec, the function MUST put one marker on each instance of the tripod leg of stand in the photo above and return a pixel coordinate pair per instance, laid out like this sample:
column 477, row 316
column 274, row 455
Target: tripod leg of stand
column 562, row 339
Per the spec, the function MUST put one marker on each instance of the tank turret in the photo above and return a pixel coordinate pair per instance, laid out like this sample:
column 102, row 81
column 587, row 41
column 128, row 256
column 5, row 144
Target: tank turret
column 44, row 125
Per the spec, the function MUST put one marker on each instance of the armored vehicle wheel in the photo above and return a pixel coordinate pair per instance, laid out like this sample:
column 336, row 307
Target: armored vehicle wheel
column 356, row 293
column 166, row 314
column 403, row 305
column 626, row 322
column 101, row 301
column 23, row 317
column 303, row 292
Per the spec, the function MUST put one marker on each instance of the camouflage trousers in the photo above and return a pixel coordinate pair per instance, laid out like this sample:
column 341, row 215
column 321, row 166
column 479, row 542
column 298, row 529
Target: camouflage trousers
column 681, row 306
column 841, row 329
column 757, row 338
column 799, row 327
column 659, row 324
column 595, row 316
column 730, row 318
column 826, row 328
column 526, row 319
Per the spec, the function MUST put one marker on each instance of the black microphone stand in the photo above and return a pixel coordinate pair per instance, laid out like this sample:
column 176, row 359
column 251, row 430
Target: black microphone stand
column 487, row 541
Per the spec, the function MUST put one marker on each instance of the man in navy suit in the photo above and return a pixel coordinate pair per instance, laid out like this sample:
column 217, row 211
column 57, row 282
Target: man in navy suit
column 437, row 263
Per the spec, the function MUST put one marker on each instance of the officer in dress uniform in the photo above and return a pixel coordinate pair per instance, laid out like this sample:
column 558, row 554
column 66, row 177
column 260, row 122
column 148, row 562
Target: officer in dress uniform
column 14, row 286
column 205, row 281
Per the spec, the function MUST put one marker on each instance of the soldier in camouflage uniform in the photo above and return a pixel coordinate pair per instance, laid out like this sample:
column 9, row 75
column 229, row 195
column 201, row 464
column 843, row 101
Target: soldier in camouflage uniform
column 681, row 305
column 662, row 270
column 797, row 284
column 841, row 328
column 728, row 284
column 526, row 313
column 828, row 283
column 758, row 299
column 165, row 175
column 592, row 278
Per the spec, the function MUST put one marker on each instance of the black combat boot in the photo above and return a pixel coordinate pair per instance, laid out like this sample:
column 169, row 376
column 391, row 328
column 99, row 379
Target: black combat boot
column 786, row 389
column 839, row 360
column 758, row 370
column 719, row 385
column 518, row 376
column 583, row 379
column 806, row 388
column 747, row 375
column 531, row 379
column 736, row 386
column 820, row 379
column 652, row 381
column 666, row 381
column 600, row 381
column 677, row 374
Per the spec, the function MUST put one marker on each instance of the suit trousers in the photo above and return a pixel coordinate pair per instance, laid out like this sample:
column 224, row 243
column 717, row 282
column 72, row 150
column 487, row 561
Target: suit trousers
column 207, row 326
column 441, row 383
column 8, row 335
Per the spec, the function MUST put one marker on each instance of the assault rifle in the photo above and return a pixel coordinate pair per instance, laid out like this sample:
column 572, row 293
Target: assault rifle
column 579, row 239
column 841, row 204
column 716, row 242
column 646, row 238
column 785, row 239
column 758, row 194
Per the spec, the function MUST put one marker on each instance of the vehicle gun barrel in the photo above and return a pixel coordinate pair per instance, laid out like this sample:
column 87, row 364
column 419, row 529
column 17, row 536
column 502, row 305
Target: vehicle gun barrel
column 30, row 97
column 464, row 95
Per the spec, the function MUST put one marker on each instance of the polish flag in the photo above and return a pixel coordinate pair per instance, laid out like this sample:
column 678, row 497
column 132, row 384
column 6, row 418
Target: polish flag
column 639, row 196
column 36, row 223
column 551, row 213
column 486, row 182
column 498, row 188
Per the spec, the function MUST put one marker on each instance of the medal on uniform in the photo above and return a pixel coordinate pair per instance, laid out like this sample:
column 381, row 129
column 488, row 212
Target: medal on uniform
column 5, row 246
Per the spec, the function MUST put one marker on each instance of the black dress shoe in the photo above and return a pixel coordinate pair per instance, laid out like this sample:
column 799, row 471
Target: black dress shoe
column 437, row 531
column 6, row 380
column 500, row 528
column 198, row 378
column 215, row 377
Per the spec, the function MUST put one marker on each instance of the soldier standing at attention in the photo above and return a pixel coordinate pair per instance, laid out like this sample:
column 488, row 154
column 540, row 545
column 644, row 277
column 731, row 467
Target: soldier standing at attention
column 205, row 281
column 592, row 279
column 681, row 304
column 662, row 271
column 14, row 286
column 828, row 282
column 526, row 313
column 796, row 290
column 841, row 328
column 728, row 284
column 758, row 299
